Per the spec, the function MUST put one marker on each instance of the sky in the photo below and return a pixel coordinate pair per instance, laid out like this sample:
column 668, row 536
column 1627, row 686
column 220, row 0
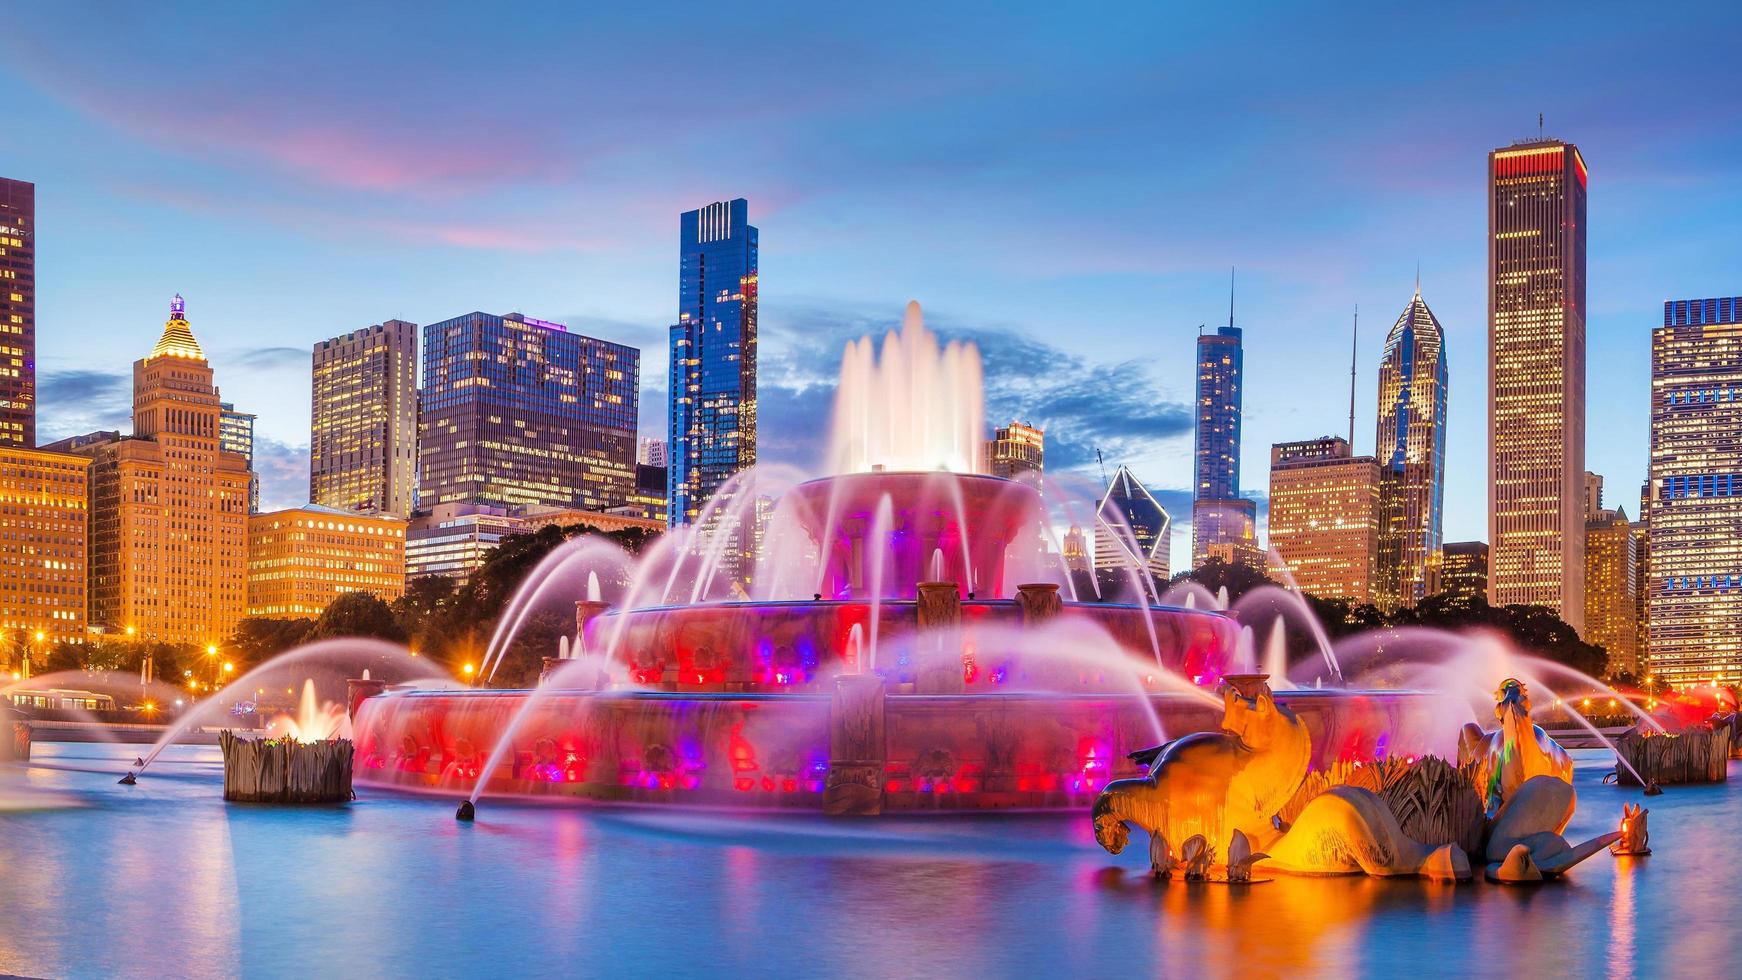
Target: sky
column 1067, row 185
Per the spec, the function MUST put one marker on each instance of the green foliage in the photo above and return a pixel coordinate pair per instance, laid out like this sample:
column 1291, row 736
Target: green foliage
column 259, row 638
column 357, row 614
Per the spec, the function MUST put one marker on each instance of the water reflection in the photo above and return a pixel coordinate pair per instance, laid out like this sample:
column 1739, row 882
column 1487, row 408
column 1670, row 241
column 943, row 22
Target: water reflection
column 164, row 879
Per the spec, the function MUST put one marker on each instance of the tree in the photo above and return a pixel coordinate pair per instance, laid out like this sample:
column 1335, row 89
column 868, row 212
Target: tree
column 259, row 638
column 1216, row 574
column 357, row 614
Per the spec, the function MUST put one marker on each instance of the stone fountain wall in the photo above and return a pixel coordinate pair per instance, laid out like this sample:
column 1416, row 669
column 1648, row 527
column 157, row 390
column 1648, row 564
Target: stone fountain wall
column 864, row 752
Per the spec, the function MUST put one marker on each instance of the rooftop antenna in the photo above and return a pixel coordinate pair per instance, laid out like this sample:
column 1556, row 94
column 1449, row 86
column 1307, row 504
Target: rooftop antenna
column 1230, row 296
column 1354, row 338
column 1102, row 462
column 1539, row 125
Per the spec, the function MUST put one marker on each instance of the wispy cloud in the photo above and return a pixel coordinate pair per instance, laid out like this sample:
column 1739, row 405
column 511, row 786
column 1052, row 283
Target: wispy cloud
column 283, row 470
column 73, row 402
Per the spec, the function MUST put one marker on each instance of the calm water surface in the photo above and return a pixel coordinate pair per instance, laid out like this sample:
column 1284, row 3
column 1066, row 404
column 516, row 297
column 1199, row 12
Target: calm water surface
column 164, row 879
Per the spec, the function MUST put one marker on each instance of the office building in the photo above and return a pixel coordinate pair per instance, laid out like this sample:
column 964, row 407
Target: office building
column 301, row 559
column 534, row 518
column 453, row 539
column 648, row 501
column 518, row 411
column 1222, row 525
column 168, row 506
column 1016, row 449
column 1411, row 452
column 17, row 313
column 1694, row 606
column 1075, row 548
column 363, row 421
column 1536, row 368
column 1325, row 517
column 1132, row 531
column 1464, row 569
column 651, row 452
column 1611, row 567
column 713, row 358
column 43, row 526
column 236, row 435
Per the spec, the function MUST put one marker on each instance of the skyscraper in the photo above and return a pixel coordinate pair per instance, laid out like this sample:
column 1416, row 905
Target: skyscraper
column 1695, row 526
column 1611, row 564
column 518, row 411
column 1132, row 532
column 1324, row 517
column 363, row 421
column 1219, row 517
column 1016, row 449
column 169, row 507
column 17, row 313
column 1464, row 569
column 236, row 435
column 713, row 355
column 1411, row 450
column 1536, row 367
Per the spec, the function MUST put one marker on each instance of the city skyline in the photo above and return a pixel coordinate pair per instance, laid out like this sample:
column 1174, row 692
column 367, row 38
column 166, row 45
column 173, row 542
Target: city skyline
column 1310, row 243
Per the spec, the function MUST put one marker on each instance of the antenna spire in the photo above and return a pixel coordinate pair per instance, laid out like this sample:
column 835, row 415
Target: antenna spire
column 1102, row 462
column 1354, row 345
column 1418, row 279
column 1539, row 125
column 1230, row 296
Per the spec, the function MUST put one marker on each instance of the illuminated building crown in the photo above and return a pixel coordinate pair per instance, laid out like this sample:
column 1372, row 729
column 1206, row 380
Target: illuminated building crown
column 177, row 339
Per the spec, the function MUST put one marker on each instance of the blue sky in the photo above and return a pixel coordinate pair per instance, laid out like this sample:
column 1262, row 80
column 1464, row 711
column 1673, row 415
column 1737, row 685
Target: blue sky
column 1068, row 184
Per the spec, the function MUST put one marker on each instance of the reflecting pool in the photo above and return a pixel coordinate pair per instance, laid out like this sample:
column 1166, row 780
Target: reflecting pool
column 164, row 879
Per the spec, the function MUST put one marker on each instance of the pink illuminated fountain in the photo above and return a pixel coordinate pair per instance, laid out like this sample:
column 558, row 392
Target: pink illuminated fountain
column 898, row 642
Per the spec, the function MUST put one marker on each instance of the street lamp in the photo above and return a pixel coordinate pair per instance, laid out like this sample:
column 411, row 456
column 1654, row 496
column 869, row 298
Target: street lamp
column 468, row 670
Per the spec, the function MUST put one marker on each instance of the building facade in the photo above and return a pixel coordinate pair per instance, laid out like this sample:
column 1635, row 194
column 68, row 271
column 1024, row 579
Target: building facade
column 44, row 517
column 713, row 356
column 453, row 539
column 363, row 421
column 1016, row 449
column 1227, row 524
column 1411, row 452
column 1536, row 369
column 301, row 559
column 518, row 411
column 651, row 452
column 1611, row 567
column 1325, row 517
column 1694, row 580
column 236, row 435
column 1464, row 569
column 1133, row 532
column 168, row 506
column 17, row 313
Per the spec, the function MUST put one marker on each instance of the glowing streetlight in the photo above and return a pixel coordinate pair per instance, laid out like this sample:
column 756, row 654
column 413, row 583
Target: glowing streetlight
column 229, row 667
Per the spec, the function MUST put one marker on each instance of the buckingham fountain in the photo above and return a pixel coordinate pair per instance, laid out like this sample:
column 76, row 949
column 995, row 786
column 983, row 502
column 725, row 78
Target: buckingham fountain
column 909, row 642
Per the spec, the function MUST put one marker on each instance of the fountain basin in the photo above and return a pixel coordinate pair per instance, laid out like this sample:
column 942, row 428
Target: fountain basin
column 936, row 752
column 802, row 646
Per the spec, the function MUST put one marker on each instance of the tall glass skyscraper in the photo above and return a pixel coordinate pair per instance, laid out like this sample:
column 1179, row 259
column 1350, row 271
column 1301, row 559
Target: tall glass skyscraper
column 1412, row 457
column 1536, row 369
column 518, row 411
column 1694, row 577
column 17, row 313
column 1217, row 443
column 713, row 355
column 1222, row 524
